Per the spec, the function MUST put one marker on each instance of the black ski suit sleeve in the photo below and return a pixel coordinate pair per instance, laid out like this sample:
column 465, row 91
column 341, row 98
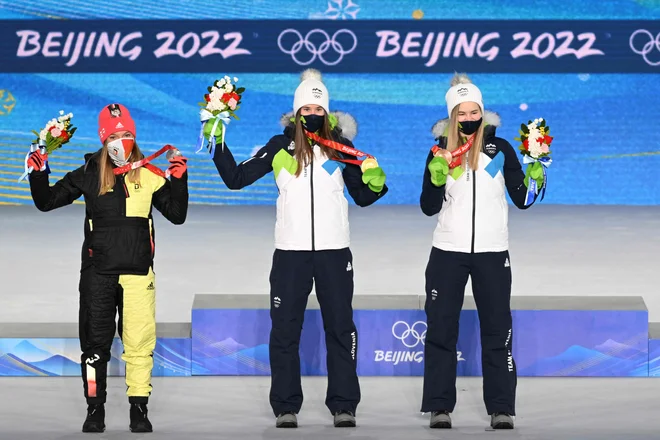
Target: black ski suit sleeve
column 432, row 196
column 171, row 199
column 514, row 177
column 249, row 171
column 359, row 191
column 64, row 192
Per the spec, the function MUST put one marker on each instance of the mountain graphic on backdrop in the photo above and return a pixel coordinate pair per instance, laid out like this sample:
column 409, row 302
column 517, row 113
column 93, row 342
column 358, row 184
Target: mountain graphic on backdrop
column 59, row 365
column 580, row 361
column 11, row 365
column 29, row 353
column 617, row 349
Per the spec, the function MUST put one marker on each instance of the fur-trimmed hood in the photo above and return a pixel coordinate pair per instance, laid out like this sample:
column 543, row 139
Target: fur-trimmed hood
column 346, row 124
column 491, row 119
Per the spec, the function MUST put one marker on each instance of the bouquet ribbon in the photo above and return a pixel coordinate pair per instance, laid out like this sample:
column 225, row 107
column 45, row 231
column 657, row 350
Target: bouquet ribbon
column 341, row 148
column 145, row 163
column 34, row 147
column 532, row 189
column 457, row 152
column 204, row 116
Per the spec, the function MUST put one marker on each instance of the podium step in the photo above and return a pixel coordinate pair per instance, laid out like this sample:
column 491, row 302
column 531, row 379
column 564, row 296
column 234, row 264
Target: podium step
column 553, row 336
column 53, row 349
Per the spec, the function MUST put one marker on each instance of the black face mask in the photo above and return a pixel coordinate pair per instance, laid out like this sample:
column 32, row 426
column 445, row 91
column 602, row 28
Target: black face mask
column 470, row 127
column 313, row 123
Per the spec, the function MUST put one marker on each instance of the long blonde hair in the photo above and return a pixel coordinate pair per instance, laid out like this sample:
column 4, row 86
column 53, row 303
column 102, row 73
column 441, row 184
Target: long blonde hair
column 107, row 177
column 455, row 140
column 304, row 152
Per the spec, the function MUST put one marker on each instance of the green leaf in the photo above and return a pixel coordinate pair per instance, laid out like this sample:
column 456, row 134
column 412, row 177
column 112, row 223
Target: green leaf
column 240, row 90
column 73, row 130
column 526, row 181
column 524, row 129
column 542, row 123
column 209, row 89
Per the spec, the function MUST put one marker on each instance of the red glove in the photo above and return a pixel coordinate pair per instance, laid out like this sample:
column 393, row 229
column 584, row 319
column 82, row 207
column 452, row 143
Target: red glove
column 37, row 160
column 178, row 166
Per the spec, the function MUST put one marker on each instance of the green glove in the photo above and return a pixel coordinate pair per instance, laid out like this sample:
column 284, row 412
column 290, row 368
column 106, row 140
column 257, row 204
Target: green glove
column 439, row 169
column 534, row 171
column 208, row 126
column 374, row 178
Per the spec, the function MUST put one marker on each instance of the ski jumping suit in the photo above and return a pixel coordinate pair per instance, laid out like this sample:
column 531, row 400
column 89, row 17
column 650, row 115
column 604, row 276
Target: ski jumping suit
column 117, row 267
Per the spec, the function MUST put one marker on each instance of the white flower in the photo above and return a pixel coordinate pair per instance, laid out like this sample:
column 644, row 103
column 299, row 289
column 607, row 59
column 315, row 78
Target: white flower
column 227, row 78
column 235, row 79
column 540, row 119
column 536, row 151
column 61, row 112
column 534, row 133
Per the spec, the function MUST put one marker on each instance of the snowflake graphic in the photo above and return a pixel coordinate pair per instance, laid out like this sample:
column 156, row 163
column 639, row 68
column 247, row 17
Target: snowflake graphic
column 340, row 9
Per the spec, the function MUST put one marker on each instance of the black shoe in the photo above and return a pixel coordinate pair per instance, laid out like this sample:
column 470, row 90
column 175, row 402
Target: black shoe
column 287, row 419
column 501, row 421
column 440, row 420
column 344, row 419
column 139, row 420
column 95, row 421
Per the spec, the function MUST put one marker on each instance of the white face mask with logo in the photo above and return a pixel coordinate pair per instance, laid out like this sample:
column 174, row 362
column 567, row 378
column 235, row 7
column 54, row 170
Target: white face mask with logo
column 120, row 150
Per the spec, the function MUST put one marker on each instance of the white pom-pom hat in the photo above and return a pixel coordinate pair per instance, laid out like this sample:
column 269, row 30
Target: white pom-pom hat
column 462, row 90
column 311, row 91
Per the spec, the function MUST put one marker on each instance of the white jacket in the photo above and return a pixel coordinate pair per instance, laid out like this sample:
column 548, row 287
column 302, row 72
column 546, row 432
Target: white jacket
column 312, row 211
column 473, row 209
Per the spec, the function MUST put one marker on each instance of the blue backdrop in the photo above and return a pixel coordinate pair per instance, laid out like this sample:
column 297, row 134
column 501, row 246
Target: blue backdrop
column 592, row 77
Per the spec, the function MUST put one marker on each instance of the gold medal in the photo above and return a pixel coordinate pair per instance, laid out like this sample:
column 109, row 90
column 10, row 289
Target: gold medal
column 369, row 162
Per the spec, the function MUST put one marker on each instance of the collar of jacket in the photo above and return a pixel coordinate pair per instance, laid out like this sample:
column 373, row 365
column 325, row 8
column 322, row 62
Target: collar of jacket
column 346, row 125
column 491, row 121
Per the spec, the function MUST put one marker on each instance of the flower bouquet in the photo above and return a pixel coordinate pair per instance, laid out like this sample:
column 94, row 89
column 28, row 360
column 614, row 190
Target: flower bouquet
column 535, row 147
column 57, row 132
column 220, row 104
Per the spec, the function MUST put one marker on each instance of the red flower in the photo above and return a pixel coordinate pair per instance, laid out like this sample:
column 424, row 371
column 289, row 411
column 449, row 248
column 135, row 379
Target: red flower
column 526, row 144
column 236, row 96
column 548, row 139
column 225, row 97
column 65, row 135
column 207, row 98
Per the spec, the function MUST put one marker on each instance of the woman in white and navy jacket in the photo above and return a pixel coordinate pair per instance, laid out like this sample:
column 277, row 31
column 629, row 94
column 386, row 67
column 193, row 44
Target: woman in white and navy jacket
column 311, row 244
column 470, row 240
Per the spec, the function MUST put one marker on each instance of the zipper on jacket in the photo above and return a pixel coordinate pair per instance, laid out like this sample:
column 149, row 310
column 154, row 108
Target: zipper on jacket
column 123, row 181
column 311, row 187
column 474, row 205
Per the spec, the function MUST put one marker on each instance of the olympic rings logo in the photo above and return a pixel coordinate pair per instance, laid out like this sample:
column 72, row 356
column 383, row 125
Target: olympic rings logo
column 304, row 44
column 648, row 47
column 410, row 335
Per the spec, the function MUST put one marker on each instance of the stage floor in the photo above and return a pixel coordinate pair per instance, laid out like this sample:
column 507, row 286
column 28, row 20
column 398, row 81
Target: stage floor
column 237, row 408
column 555, row 250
